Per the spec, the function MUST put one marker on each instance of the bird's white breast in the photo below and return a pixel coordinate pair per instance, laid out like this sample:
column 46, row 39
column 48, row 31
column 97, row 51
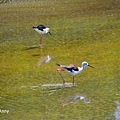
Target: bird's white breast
column 46, row 30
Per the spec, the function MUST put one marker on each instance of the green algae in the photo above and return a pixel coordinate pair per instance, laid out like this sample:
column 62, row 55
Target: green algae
column 81, row 31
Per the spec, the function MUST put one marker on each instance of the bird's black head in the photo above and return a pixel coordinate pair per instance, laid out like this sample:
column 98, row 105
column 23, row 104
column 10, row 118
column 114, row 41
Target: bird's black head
column 39, row 26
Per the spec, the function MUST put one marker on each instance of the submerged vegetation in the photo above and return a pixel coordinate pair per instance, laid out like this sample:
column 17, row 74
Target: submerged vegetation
column 82, row 30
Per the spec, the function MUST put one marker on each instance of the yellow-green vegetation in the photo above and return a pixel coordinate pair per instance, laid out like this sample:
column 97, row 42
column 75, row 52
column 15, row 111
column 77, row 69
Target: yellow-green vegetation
column 82, row 30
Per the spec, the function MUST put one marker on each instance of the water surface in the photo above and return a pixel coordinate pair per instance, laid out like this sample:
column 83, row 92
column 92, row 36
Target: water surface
column 31, row 88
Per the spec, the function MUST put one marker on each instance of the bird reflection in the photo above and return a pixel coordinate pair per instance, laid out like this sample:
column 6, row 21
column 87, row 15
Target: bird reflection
column 44, row 59
column 74, row 98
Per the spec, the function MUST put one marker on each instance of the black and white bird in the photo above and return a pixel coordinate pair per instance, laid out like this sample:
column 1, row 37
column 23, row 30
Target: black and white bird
column 41, row 30
column 72, row 70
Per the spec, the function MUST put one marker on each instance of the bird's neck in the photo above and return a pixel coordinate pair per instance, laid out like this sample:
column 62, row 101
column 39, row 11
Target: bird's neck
column 80, row 69
column 83, row 67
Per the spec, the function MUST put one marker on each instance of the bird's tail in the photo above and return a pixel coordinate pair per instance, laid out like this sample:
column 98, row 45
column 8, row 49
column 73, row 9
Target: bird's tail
column 33, row 27
column 57, row 64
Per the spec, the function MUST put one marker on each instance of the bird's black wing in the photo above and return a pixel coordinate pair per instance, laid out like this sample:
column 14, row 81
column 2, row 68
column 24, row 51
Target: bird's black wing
column 72, row 68
column 76, row 69
column 41, row 27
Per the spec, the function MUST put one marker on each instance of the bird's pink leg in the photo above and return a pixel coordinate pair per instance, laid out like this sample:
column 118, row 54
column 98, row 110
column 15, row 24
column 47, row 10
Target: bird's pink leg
column 58, row 70
column 73, row 80
column 41, row 40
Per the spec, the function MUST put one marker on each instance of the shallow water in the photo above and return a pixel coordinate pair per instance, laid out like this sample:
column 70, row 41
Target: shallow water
column 117, row 111
column 31, row 88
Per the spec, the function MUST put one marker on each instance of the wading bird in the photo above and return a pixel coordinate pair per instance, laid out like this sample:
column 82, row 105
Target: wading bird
column 41, row 30
column 72, row 70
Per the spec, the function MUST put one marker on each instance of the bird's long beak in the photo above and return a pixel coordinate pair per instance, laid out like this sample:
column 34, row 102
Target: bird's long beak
column 90, row 66
column 50, row 33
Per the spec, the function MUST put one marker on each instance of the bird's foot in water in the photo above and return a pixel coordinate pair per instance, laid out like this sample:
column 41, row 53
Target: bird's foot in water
column 41, row 46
